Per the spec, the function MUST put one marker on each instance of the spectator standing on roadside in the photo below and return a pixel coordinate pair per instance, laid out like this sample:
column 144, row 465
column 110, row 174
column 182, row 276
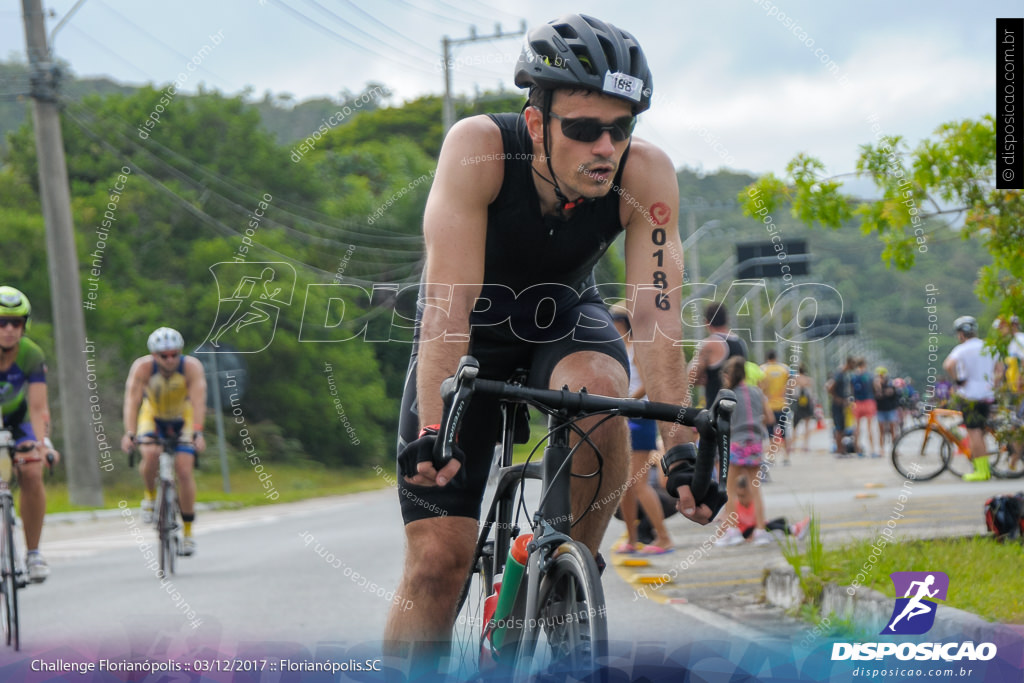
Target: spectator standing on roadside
column 864, row 407
column 887, row 397
column 773, row 386
column 838, row 389
column 803, row 412
column 746, row 447
column 714, row 350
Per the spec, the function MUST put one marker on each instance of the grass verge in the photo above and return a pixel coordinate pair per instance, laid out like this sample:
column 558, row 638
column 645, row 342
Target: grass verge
column 983, row 575
column 293, row 481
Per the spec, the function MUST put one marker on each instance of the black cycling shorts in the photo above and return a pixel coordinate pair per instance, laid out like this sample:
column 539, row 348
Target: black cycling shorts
column 975, row 413
column 500, row 352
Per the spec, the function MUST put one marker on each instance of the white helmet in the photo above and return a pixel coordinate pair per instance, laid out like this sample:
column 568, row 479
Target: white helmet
column 165, row 339
column 966, row 324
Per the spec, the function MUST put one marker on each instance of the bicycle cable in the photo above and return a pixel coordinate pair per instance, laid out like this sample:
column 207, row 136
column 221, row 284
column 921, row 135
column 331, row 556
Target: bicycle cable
column 584, row 439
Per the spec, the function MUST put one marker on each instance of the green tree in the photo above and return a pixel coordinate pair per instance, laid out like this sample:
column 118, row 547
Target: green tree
column 946, row 182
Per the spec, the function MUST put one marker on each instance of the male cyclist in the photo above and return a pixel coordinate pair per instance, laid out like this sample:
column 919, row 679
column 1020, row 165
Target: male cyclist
column 510, row 250
column 170, row 387
column 26, row 413
column 972, row 367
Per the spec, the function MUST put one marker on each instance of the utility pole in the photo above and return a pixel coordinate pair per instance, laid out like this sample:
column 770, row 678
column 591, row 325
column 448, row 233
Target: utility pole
column 448, row 107
column 84, row 485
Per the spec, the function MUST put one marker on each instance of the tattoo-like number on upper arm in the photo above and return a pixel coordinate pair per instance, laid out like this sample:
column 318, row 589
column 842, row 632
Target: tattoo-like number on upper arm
column 660, row 214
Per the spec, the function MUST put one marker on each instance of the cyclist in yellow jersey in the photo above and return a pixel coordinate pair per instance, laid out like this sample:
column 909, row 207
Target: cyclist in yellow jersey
column 165, row 395
column 773, row 385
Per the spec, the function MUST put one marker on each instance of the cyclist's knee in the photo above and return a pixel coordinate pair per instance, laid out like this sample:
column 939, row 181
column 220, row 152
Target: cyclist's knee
column 438, row 569
column 599, row 373
column 440, row 550
column 30, row 475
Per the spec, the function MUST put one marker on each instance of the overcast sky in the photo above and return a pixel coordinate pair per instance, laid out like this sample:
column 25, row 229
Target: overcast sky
column 737, row 82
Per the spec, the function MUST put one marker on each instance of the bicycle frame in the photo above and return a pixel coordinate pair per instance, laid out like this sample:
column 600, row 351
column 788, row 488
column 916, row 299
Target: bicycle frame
column 933, row 425
column 166, row 501
column 12, row 577
column 553, row 518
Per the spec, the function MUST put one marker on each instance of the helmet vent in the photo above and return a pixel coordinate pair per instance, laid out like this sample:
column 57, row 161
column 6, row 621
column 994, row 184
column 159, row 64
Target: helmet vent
column 546, row 54
column 584, row 58
column 567, row 31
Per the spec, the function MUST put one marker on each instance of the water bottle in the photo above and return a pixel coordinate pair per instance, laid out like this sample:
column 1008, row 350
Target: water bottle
column 514, row 568
column 166, row 467
column 491, row 602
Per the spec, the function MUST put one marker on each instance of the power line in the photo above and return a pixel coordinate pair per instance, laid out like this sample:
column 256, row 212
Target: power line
column 348, row 41
column 156, row 40
column 476, row 17
column 247, row 191
column 358, row 30
column 408, row 272
column 110, row 52
column 228, row 231
column 423, row 10
column 375, row 20
column 499, row 9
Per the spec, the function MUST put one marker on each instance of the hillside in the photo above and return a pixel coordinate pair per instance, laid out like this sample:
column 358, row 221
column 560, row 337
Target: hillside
column 215, row 189
column 889, row 304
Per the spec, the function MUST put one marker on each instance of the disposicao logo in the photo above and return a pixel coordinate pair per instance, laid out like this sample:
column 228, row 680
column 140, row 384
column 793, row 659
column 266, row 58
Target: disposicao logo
column 914, row 614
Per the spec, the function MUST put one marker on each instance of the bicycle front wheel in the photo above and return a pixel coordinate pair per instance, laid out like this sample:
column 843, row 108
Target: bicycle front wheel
column 920, row 453
column 9, row 578
column 469, row 649
column 570, row 640
column 166, row 522
column 1003, row 463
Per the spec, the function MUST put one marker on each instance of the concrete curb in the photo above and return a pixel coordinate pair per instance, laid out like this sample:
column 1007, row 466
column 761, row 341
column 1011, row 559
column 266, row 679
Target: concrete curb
column 870, row 610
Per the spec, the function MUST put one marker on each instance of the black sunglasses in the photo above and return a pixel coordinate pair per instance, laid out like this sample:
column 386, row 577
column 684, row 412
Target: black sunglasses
column 169, row 356
column 13, row 322
column 589, row 130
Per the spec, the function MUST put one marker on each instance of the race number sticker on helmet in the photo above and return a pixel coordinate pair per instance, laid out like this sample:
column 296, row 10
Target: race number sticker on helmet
column 623, row 85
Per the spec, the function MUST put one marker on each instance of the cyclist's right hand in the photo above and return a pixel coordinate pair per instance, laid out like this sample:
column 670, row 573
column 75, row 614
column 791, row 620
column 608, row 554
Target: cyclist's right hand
column 416, row 461
column 127, row 443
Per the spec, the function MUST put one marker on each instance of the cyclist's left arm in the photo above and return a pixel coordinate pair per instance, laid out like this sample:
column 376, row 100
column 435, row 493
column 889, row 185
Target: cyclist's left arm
column 195, row 379
column 950, row 365
column 39, row 415
column 654, row 276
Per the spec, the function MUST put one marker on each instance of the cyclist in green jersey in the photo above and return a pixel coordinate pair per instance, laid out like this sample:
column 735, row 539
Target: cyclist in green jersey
column 26, row 414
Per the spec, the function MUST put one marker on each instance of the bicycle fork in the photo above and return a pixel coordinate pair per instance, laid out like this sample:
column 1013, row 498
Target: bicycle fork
column 552, row 524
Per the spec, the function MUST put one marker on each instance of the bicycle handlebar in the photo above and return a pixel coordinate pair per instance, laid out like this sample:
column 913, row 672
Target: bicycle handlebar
column 712, row 424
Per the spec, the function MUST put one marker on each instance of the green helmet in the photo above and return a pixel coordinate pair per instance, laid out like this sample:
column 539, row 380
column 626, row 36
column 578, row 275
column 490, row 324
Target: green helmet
column 14, row 304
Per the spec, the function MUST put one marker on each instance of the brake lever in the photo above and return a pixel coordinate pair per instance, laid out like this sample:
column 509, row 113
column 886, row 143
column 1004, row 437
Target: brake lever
column 722, row 411
column 456, row 392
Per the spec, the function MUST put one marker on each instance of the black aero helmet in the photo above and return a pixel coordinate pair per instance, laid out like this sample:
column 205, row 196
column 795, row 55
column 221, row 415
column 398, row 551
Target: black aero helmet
column 578, row 51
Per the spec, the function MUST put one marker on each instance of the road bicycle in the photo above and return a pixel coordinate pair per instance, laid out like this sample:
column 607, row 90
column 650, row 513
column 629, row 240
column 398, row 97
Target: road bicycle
column 923, row 452
column 557, row 625
column 166, row 505
column 13, row 576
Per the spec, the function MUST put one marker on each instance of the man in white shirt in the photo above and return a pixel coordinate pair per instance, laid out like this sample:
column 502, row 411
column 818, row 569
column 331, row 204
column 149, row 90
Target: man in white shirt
column 972, row 366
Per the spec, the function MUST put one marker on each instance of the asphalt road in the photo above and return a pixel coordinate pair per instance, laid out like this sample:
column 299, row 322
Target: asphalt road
column 305, row 580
